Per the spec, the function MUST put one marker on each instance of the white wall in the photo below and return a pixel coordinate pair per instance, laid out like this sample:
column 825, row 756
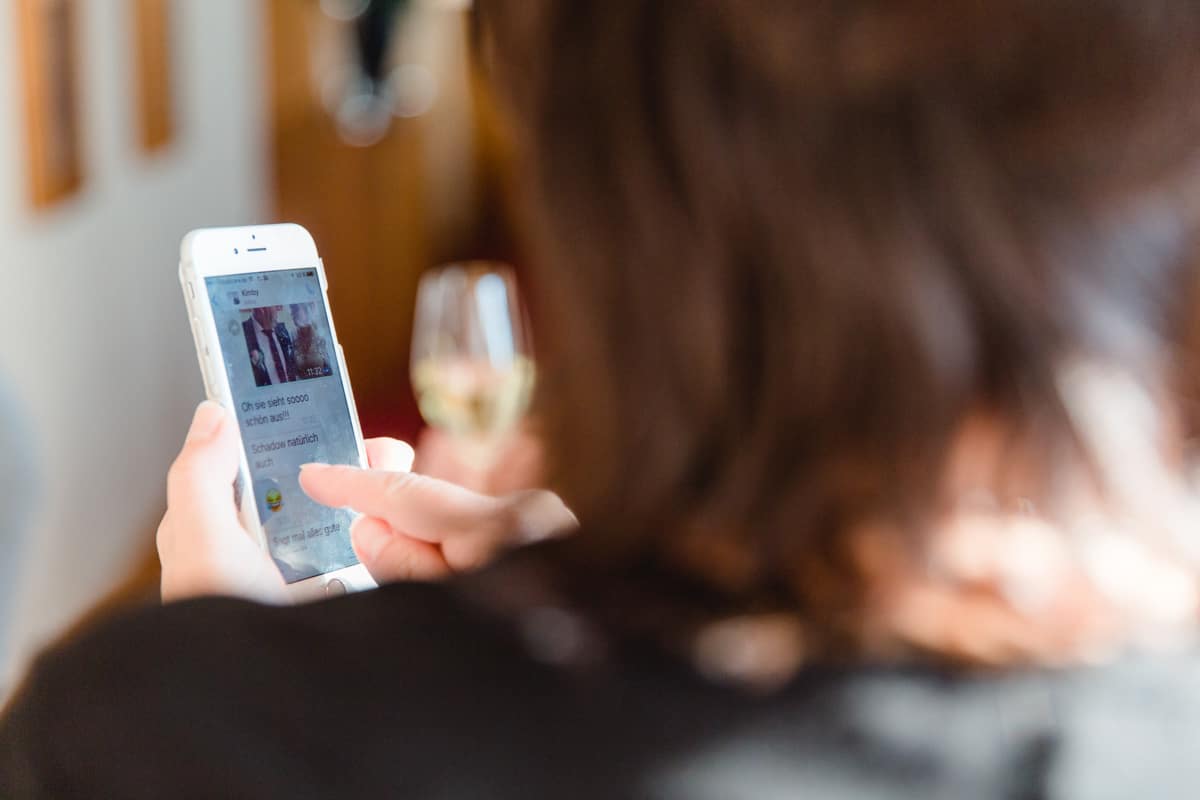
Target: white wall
column 93, row 337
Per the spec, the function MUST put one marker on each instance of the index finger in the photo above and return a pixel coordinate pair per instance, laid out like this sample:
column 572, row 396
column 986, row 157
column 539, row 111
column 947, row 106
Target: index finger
column 422, row 507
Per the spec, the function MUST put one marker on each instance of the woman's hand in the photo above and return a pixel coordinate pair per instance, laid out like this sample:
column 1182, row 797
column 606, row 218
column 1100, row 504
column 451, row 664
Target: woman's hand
column 416, row 527
column 202, row 545
column 420, row 528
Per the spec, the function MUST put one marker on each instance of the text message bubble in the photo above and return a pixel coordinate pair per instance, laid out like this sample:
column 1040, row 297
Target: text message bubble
column 273, row 411
column 298, row 540
column 276, row 443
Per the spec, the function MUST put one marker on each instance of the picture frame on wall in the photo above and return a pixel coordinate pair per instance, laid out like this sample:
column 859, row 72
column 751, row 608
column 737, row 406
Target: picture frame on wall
column 48, row 32
column 153, row 73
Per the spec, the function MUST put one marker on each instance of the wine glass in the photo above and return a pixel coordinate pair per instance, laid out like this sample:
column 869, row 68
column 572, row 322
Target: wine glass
column 472, row 364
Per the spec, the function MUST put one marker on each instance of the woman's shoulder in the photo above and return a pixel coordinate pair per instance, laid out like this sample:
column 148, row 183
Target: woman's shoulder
column 209, row 644
column 425, row 686
column 150, row 701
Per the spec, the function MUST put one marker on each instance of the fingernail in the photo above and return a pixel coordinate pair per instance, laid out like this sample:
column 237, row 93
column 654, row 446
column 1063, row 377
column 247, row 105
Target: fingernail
column 206, row 421
column 314, row 467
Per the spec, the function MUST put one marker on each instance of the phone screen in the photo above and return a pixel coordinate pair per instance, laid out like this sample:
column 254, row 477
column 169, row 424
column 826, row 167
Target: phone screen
column 290, row 401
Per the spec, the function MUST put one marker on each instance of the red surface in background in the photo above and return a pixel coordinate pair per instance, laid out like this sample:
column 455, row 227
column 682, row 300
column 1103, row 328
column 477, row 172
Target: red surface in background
column 392, row 413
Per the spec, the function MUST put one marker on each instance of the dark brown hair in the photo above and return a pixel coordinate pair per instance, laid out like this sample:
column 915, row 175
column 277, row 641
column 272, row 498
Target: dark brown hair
column 784, row 251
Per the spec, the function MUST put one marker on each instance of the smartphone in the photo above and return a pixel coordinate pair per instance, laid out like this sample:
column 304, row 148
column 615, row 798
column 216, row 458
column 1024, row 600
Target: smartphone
column 258, row 302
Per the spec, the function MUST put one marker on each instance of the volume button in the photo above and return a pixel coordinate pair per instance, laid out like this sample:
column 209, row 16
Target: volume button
column 205, row 357
column 211, row 371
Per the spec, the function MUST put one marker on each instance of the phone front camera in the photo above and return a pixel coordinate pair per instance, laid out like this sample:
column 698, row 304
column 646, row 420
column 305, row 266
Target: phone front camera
column 235, row 251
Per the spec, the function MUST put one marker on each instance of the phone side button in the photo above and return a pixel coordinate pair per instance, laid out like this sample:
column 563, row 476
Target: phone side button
column 334, row 588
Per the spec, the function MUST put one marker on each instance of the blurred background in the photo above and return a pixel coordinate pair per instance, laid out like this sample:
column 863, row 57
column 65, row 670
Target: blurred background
column 125, row 124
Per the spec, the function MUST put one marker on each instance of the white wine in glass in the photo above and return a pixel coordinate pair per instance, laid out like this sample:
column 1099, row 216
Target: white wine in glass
column 472, row 368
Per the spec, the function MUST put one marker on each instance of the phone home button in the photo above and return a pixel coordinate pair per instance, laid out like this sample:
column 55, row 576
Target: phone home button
column 334, row 588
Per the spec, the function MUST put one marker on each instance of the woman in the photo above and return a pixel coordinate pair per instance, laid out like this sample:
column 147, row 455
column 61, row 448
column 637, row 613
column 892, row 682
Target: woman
column 869, row 357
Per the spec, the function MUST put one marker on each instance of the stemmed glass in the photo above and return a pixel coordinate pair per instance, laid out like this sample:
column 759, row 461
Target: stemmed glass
column 472, row 364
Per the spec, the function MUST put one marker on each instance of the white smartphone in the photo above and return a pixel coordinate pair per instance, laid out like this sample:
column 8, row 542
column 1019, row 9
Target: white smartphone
column 259, row 309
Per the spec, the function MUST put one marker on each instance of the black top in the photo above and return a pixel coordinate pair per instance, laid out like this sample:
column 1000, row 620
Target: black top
column 414, row 691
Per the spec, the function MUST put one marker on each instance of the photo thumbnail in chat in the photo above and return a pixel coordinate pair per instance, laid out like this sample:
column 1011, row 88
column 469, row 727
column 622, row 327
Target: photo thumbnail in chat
column 286, row 343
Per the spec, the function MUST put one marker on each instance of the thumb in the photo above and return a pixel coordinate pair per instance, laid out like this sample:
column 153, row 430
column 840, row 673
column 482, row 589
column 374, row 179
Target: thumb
column 198, row 483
